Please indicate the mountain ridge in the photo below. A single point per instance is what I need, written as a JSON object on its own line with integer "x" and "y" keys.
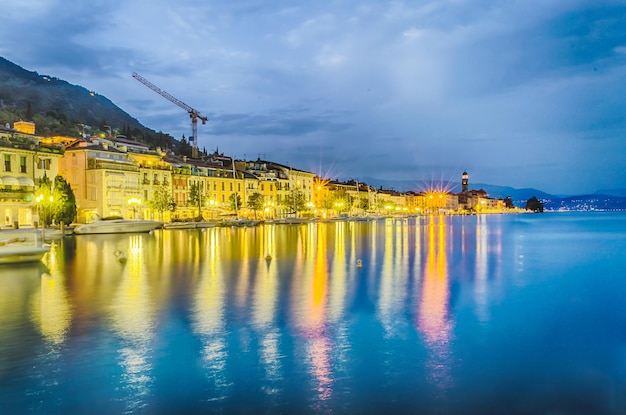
{"x": 23, "y": 91}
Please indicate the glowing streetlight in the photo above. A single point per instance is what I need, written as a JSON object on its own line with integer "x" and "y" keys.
{"x": 133, "y": 202}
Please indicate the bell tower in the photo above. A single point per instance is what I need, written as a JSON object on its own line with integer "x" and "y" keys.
{"x": 464, "y": 182}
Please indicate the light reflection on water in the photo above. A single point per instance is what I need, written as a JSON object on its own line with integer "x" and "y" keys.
{"x": 132, "y": 320}
{"x": 421, "y": 315}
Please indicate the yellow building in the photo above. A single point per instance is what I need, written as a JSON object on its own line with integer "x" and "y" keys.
{"x": 153, "y": 172}
{"x": 278, "y": 184}
{"x": 103, "y": 179}
{"x": 25, "y": 127}
{"x": 24, "y": 161}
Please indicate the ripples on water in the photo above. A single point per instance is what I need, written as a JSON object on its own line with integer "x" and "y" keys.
{"x": 478, "y": 314}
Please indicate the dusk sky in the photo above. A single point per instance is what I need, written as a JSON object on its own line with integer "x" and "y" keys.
{"x": 518, "y": 93}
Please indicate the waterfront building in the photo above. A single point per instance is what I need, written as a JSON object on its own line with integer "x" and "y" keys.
{"x": 278, "y": 184}
{"x": 25, "y": 160}
{"x": 102, "y": 177}
{"x": 153, "y": 172}
{"x": 391, "y": 202}
{"x": 477, "y": 200}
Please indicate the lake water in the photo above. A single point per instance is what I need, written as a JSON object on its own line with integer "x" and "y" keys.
{"x": 498, "y": 314}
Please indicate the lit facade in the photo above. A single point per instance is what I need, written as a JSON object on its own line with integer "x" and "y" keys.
{"x": 103, "y": 179}
{"x": 25, "y": 160}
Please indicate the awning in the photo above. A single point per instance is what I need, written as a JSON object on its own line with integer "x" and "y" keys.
{"x": 10, "y": 181}
{"x": 26, "y": 181}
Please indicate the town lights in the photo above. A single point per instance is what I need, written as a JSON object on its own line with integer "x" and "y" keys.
{"x": 133, "y": 202}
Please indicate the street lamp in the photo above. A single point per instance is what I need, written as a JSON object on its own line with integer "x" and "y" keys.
{"x": 133, "y": 202}
{"x": 42, "y": 208}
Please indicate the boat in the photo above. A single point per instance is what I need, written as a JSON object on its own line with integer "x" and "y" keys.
{"x": 292, "y": 221}
{"x": 117, "y": 225}
{"x": 180, "y": 225}
{"x": 21, "y": 246}
{"x": 202, "y": 225}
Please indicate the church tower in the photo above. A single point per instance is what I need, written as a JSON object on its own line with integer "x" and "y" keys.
{"x": 464, "y": 182}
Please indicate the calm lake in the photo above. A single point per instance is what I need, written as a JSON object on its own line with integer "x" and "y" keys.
{"x": 492, "y": 314}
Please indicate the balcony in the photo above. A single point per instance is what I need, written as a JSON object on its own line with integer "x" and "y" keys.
{"x": 94, "y": 164}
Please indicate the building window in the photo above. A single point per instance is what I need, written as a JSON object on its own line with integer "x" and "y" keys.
{"x": 7, "y": 162}
{"x": 44, "y": 164}
{"x": 214, "y": 185}
{"x": 222, "y": 186}
{"x": 22, "y": 164}
{"x": 231, "y": 186}
{"x": 239, "y": 187}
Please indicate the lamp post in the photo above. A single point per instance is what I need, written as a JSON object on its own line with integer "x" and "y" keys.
{"x": 133, "y": 202}
{"x": 42, "y": 208}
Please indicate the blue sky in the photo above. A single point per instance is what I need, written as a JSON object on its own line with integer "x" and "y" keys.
{"x": 518, "y": 93}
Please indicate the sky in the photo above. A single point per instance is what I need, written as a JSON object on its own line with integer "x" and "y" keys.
{"x": 520, "y": 93}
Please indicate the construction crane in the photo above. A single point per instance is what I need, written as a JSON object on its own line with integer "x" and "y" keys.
{"x": 193, "y": 113}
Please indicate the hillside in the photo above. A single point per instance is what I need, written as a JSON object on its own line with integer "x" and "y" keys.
{"x": 58, "y": 107}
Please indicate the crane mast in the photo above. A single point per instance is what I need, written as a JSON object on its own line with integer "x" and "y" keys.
{"x": 193, "y": 113}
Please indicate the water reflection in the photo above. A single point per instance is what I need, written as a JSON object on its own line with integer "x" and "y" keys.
{"x": 132, "y": 318}
{"x": 434, "y": 320}
{"x": 394, "y": 277}
{"x": 208, "y": 317}
{"x": 201, "y": 322}
{"x": 310, "y": 301}
{"x": 50, "y": 306}
{"x": 264, "y": 313}
{"x": 481, "y": 293}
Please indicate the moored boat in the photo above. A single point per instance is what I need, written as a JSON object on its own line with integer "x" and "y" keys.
{"x": 20, "y": 246}
{"x": 117, "y": 225}
{"x": 180, "y": 225}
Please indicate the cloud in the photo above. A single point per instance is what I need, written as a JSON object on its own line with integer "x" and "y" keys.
{"x": 396, "y": 87}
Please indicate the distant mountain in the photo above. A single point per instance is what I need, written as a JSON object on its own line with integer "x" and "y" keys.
{"x": 59, "y": 99}
{"x": 611, "y": 192}
{"x": 587, "y": 202}
{"x": 518, "y": 195}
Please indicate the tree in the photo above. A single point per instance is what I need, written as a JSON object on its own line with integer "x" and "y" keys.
{"x": 255, "y": 202}
{"x": 534, "y": 204}
{"x": 44, "y": 201}
{"x": 508, "y": 203}
{"x": 295, "y": 200}
{"x": 234, "y": 201}
{"x": 29, "y": 112}
{"x": 64, "y": 202}
{"x": 184, "y": 148}
{"x": 195, "y": 197}
{"x": 162, "y": 200}
{"x": 364, "y": 204}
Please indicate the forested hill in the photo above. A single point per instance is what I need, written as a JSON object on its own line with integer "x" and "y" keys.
{"x": 58, "y": 107}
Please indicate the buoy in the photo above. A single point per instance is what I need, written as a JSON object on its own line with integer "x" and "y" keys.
{"x": 359, "y": 263}
{"x": 268, "y": 257}
{"x": 122, "y": 257}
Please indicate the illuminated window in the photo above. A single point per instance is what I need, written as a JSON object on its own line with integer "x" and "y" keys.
{"x": 44, "y": 164}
